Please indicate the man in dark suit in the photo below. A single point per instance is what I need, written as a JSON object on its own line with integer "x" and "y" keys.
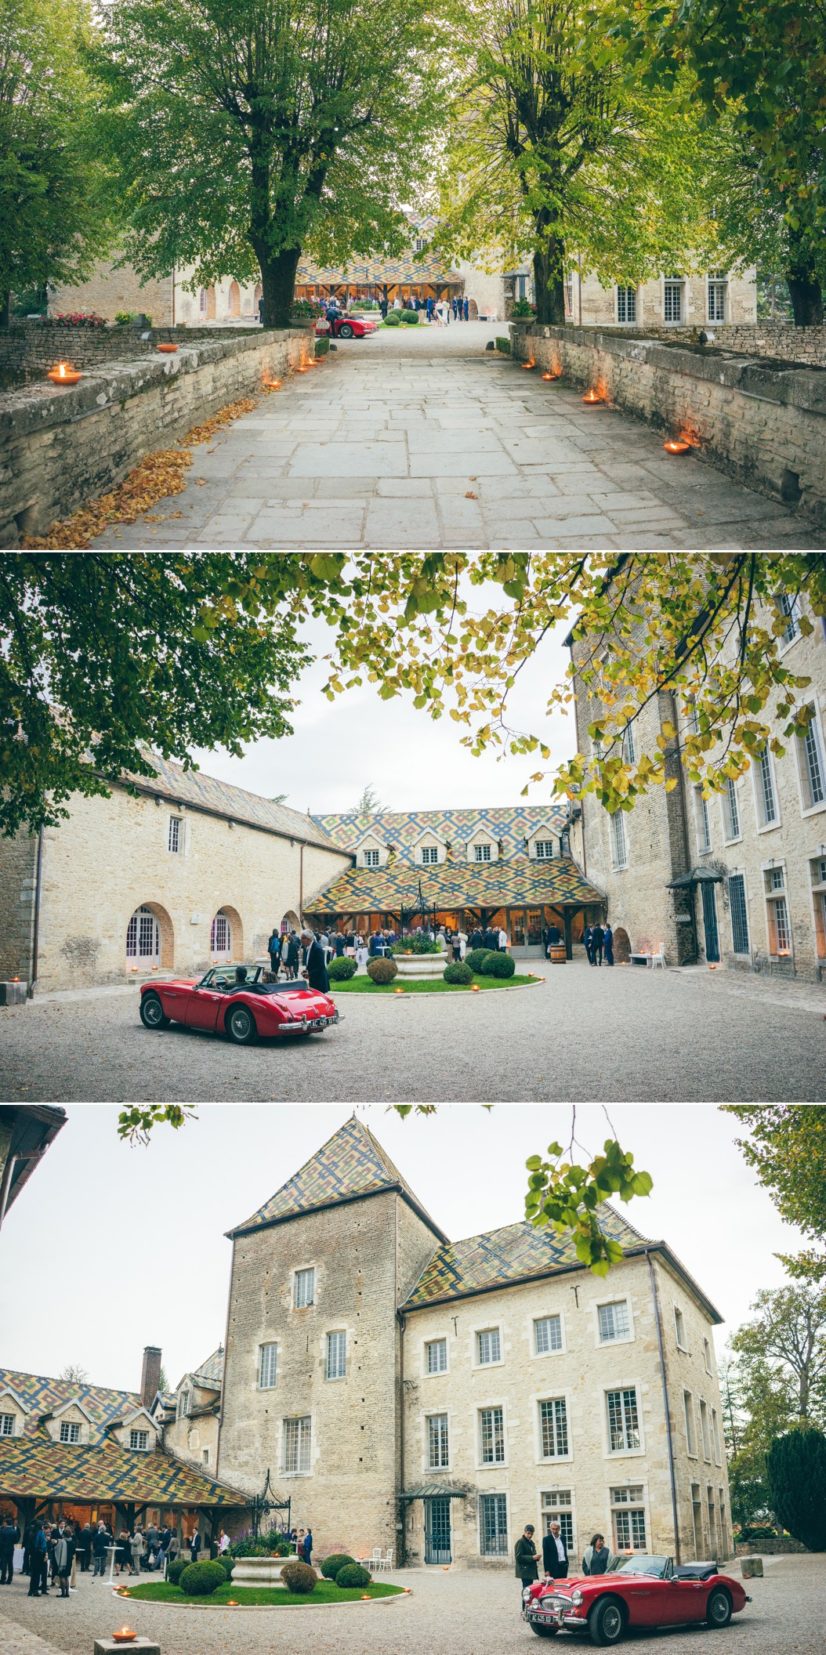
{"x": 555, "y": 1553}
{"x": 315, "y": 965}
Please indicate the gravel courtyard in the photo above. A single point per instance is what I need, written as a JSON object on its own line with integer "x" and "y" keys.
{"x": 625, "y": 1035}
{"x": 466, "y": 1613}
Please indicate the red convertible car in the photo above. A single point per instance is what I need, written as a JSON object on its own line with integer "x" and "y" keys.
{"x": 641, "y": 1592}
{"x": 238, "y": 1001}
{"x": 348, "y": 327}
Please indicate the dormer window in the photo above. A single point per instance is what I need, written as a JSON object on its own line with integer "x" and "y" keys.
{"x": 7, "y": 1422}
{"x": 430, "y": 855}
{"x": 184, "y": 1404}
{"x": 544, "y": 850}
{"x": 371, "y": 858}
{"x": 69, "y": 1430}
{"x": 139, "y": 1441}
{"x": 482, "y": 852}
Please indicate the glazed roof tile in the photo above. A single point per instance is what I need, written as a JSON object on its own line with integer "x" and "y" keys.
{"x": 36, "y": 1466}
{"x": 44, "y": 1396}
{"x": 501, "y": 1258}
{"x": 510, "y": 824}
{"x": 512, "y": 882}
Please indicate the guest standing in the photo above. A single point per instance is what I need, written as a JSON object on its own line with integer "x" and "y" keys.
{"x": 525, "y": 1559}
{"x": 555, "y": 1553}
{"x": 608, "y": 943}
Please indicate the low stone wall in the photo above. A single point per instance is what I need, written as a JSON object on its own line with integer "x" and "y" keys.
{"x": 768, "y": 1548}
{"x": 778, "y": 340}
{"x": 763, "y": 422}
{"x": 28, "y": 348}
{"x": 59, "y": 448}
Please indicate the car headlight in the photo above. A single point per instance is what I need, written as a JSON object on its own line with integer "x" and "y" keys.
{"x": 576, "y": 1596}
{"x": 526, "y": 1592}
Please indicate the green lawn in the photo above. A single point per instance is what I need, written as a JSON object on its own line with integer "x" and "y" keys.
{"x": 427, "y": 985}
{"x": 161, "y": 1591}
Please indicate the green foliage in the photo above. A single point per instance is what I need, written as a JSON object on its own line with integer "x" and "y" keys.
{"x": 503, "y": 346}
{"x": 336, "y": 1561}
{"x": 797, "y": 1481}
{"x": 227, "y": 1564}
{"x": 786, "y": 1148}
{"x": 369, "y": 803}
{"x": 758, "y": 1531}
{"x": 475, "y": 958}
{"x": 393, "y": 319}
{"x": 409, "y": 316}
{"x": 339, "y": 971}
{"x": 299, "y": 1577}
{"x": 382, "y": 970}
{"x": 200, "y": 1580}
{"x": 457, "y": 972}
{"x": 416, "y": 943}
{"x": 322, "y": 347}
{"x": 566, "y": 1196}
{"x": 522, "y": 308}
{"x": 781, "y": 1360}
{"x": 175, "y": 1569}
{"x": 124, "y": 317}
{"x": 749, "y": 1493}
{"x": 303, "y": 309}
{"x": 497, "y": 964}
{"x": 353, "y": 1575}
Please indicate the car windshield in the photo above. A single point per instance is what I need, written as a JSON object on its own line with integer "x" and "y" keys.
{"x": 659, "y": 1567}
{"x": 229, "y": 976}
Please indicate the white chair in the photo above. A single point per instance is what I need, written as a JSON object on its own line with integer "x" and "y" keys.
{"x": 376, "y": 1559}
{"x": 388, "y": 1561}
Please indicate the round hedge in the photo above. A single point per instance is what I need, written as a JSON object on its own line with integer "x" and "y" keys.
{"x": 299, "y": 1577}
{"x": 336, "y": 1561}
{"x": 353, "y": 1575}
{"x": 382, "y": 970}
{"x": 341, "y": 970}
{"x": 411, "y": 316}
{"x": 476, "y": 960}
{"x": 175, "y": 1568}
{"x": 457, "y": 972}
{"x": 227, "y": 1564}
{"x": 392, "y": 319}
{"x": 200, "y": 1580}
{"x": 498, "y": 965}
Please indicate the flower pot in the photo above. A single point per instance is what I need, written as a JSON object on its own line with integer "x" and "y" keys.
{"x": 421, "y": 965}
{"x": 259, "y": 1571}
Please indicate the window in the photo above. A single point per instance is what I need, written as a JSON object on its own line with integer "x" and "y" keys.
{"x": 703, "y": 823}
{"x": 569, "y": 294}
{"x": 336, "y": 1364}
{"x": 202, "y": 301}
{"x": 723, "y": 1528}
{"x": 672, "y": 299}
{"x": 438, "y": 1450}
{"x": 810, "y": 759}
{"x": 69, "y": 1431}
{"x": 419, "y": 244}
{"x": 430, "y": 854}
{"x": 481, "y": 853}
{"x": 629, "y": 745}
{"x": 704, "y": 1431}
{"x": 614, "y": 1322}
{"x": 491, "y": 1436}
{"x": 205, "y": 1455}
{"x": 780, "y": 931}
{"x": 267, "y": 1366}
{"x": 739, "y": 915}
{"x": 679, "y": 1326}
{"x": 690, "y": 1434}
{"x": 717, "y": 293}
{"x": 220, "y": 936}
{"x": 296, "y": 1441}
{"x": 544, "y": 850}
{"x": 626, "y": 304}
{"x": 547, "y": 1334}
{"x": 731, "y": 810}
{"x": 766, "y": 795}
{"x": 304, "y": 1289}
{"x": 628, "y": 1513}
{"x": 488, "y": 1347}
{"x": 493, "y": 1525}
{"x": 691, "y": 716}
{"x": 143, "y": 936}
{"x": 619, "y": 843}
{"x": 139, "y": 1440}
{"x": 557, "y": 1507}
{"x": 184, "y": 1404}
{"x": 371, "y": 858}
{"x": 175, "y": 838}
{"x": 6, "y": 1425}
{"x": 697, "y": 1515}
{"x": 435, "y": 1356}
{"x": 715, "y": 1435}
{"x": 553, "y": 1428}
{"x": 707, "y": 1356}
{"x": 790, "y": 607}
{"x": 623, "y": 1420}
{"x": 712, "y": 1526}
{"x": 817, "y": 868}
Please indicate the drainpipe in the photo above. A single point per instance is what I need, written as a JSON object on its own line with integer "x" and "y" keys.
{"x": 655, "y": 1297}
{"x": 38, "y": 886}
{"x": 401, "y": 1505}
{"x": 301, "y": 882}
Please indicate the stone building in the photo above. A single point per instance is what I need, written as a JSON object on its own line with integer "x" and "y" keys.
{"x": 736, "y": 879}
{"x": 188, "y": 1415}
{"x": 706, "y": 299}
{"x": 181, "y": 872}
{"x": 433, "y": 1397}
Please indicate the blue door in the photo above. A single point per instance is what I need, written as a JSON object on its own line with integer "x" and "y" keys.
{"x": 710, "y": 921}
{"x": 437, "y": 1530}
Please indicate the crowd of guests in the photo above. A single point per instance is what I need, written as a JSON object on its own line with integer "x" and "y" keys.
{"x": 599, "y": 944}
{"x": 308, "y": 953}
{"x": 439, "y": 311}
{"x": 53, "y": 1552}
{"x": 597, "y": 1558}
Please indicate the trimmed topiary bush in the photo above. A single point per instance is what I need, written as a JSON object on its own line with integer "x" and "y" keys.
{"x": 457, "y": 972}
{"x": 411, "y": 316}
{"x": 353, "y": 1575}
{"x": 175, "y": 1569}
{"x": 200, "y": 1580}
{"x": 796, "y": 1466}
{"x": 336, "y": 1561}
{"x": 227, "y": 1564}
{"x": 476, "y": 960}
{"x": 503, "y": 346}
{"x": 322, "y": 345}
{"x": 498, "y": 965}
{"x": 393, "y": 319}
{"x": 382, "y": 970}
{"x": 341, "y": 970}
{"x": 299, "y": 1577}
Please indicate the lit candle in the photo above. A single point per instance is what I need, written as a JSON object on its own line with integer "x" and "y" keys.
{"x": 593, "y": 395}
{"x": 63, "y": 374}
{"x": 677, "y": 445}
{"x": 530, "y": 364}
{"x": 549, "y": 374}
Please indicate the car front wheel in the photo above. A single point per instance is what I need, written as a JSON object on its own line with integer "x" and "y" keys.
{"x": 542, "y": 1631}
{"x": 718, "y": 1608}
{"x": 345, "y": 331}
{"x": 153, "y": 1015}
{"x": 606, "y": 1622}
{"x": 240, "y": 1026}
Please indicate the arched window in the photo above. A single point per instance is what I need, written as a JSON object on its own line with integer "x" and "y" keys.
{"x": 202, "y": 301}
{"x": 143, "y": 938}
{"x": 220, "y": 936}
{"x": 234, "y": 299}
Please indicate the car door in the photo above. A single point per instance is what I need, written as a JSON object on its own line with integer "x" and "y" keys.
{"x": 679, "y": 1602}
{"x": 201, "y": 1007}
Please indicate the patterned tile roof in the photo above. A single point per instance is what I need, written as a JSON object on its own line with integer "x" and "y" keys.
{"x": 449, "y": 885}
{"x": 36, "y": 1466}
{"x": 510, "y": 824}
{"x": 350, "y": 1164}
{"x": 44, "y": 1396}
{"x": 409, "y": 267}
{"x": 236, "y": 803}
{"x": 500, "y": 1258}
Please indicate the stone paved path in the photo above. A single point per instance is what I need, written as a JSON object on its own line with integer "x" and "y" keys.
{"x": 421, "y": 438}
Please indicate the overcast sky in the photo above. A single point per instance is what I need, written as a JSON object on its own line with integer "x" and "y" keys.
{"x": 110, "y": 1248}
{"x": 413, "y": 762}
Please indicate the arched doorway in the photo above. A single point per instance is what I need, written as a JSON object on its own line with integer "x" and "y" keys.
{"x": 234, "y": 299}
{"x": 622, "y": 946}
{"x": 290, "y": 922}
{"x": 226, "y": 937}
{"x": 149, "y": 938}
{"x": 210, "y": 304}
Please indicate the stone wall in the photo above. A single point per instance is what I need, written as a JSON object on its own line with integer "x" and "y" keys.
{"x": 778, "y": 340}
{"x": 18, "y": 868}
{"x": 60, "y": 448}
{"x": 113, "y": 287}
{"x": 762, "y": 422}
{"x": 29, "y": 348}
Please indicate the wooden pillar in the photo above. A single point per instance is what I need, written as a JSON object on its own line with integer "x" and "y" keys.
{"x": 568, "y": 918}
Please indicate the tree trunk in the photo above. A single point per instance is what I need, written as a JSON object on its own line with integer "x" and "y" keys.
{"x": 549, "y": 281}
{"x": 806, "y": 295}
{"x": 278, "y": 283}
{"x": 5, "y": 309}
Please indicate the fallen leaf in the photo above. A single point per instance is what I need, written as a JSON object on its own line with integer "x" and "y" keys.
{"x": 469, "y": 494}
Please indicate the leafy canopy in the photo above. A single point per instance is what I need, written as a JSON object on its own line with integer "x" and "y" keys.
{"x": 786, "y": 1147}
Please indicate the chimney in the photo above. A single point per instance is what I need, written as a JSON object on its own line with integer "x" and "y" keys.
{"x": 150, "y": 1375}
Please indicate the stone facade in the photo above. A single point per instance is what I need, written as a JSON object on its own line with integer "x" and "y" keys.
{"x": 116, "y": 287}
{"x": 702, "y": 299}
{"x": 188, "y": 1417}
{"x": 112, "y": 857}
{"x": 763, "y": 843}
